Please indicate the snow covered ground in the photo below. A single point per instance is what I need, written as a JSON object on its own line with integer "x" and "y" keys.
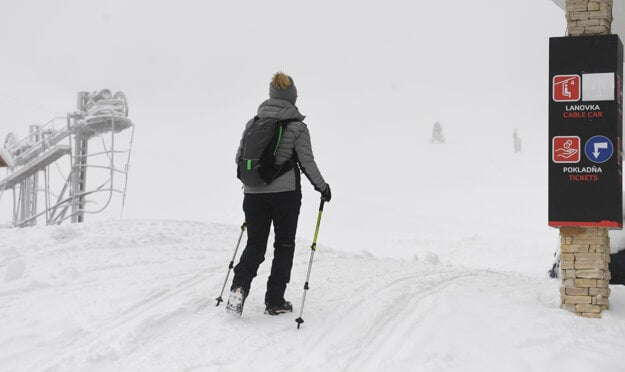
{"x": 139, "y": 296}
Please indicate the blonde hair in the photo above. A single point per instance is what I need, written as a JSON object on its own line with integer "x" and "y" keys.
{"x": 280, "y": 80}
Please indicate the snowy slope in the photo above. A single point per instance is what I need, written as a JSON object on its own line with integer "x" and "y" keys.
{"x": 138, "y": 296}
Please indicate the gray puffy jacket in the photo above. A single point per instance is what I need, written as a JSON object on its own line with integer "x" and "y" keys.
{"x": 295, "y": 142}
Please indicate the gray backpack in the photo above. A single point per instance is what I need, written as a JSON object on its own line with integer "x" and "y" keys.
{"x": 256, "y": 164}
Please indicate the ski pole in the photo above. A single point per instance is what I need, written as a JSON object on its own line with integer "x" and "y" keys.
{"x": 313, "y": 248}
{"x": 231, "y": 265}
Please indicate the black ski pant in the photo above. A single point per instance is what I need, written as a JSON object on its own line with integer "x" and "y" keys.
{"x": 260, "y": 211}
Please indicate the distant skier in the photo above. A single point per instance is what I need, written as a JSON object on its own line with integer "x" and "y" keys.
{"x": 278, "y": 201}
{"x": 437, "y": 134}
{"x": 516, "y": 140}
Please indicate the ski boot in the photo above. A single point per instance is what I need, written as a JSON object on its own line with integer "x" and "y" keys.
{"x": 286, "y": 307}
{"x": 236, "y": 301}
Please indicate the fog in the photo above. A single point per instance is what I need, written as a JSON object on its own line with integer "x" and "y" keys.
{"x": 372, "y": 79}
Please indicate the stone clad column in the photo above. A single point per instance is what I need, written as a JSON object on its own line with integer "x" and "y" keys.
{"x": 589, "y": 17}
{"x": 584, "y": 258}
{"x": 585, "y": 251}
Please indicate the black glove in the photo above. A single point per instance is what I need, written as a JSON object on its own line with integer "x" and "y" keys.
{"x": 326, "y": 194}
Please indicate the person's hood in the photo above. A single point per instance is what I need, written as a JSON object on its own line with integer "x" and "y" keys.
{"x": 279, "y": 109}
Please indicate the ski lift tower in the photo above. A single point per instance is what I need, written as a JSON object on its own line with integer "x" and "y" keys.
{"x": 64, "y": 143}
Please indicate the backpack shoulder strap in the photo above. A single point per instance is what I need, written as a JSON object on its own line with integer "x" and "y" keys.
{"x": 292, "y": 162}
{"x": 287, "y": 121}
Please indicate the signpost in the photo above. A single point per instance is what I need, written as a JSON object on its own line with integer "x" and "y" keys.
{"x": 585, "y": 131}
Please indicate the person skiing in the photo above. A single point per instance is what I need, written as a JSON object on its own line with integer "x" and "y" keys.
{"x": 277, "y": 202}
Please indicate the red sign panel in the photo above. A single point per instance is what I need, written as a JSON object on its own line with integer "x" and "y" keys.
{"x": 566, "y": 149}
{"x": 567, "y": 88}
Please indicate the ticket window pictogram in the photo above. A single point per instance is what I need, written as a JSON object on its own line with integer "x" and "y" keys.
{"x": 566, "y": 149}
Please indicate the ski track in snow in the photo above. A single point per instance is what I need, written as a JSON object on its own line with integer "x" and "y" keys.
{"x": 139, "y": 296}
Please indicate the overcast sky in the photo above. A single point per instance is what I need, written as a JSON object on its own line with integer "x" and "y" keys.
{"x": 156, "y": 50}
{"x": 195, "y": 71}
